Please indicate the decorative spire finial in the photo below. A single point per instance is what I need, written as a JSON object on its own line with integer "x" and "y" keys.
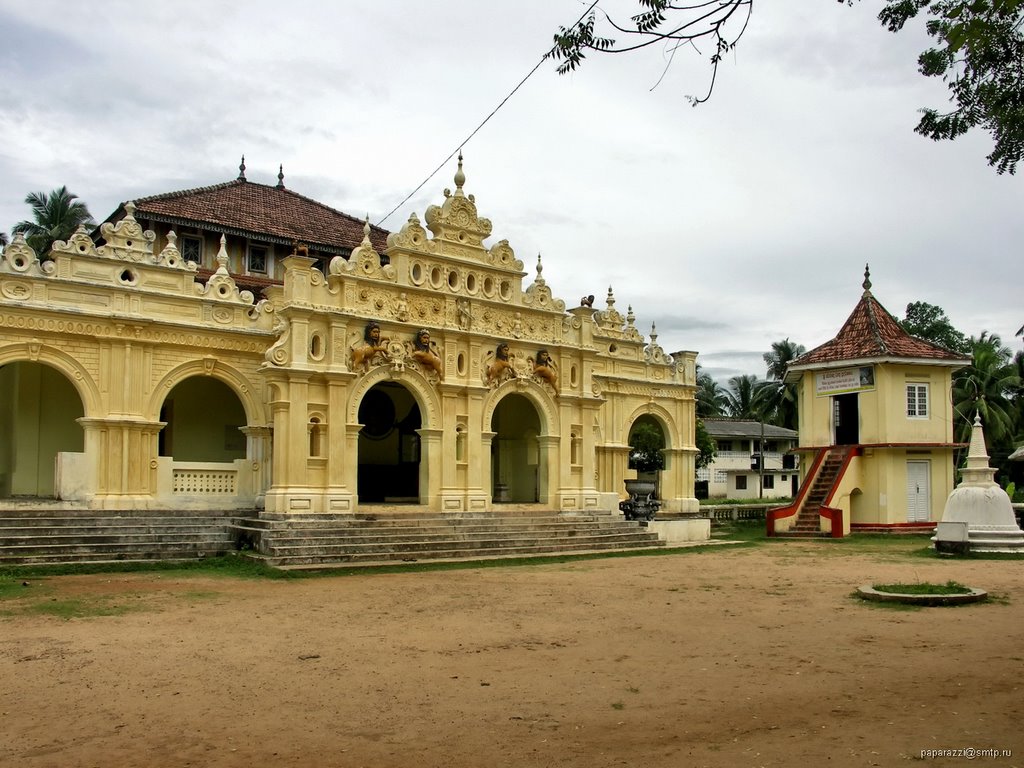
{"x": 460, "y": 177}
{"x": 280, "y": 176}
{"x": 222, "y": 256}
{"x": 630, "y": 317}
{"x": 654, "y": 333}
{"x": 241, "y": 169}
{"x": 366, "y": 229}
{"x": 610, "y": 301}
{"x": 867, "y": 279}
{"x": 540, "y": 269}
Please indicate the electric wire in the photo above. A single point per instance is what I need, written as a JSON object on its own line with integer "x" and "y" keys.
{"x": 494, "y": 111}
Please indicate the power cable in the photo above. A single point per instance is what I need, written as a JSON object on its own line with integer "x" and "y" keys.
{"x": 481, "y": 125}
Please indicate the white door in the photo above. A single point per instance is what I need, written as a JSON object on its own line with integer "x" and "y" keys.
{"x": 918, "y": 496}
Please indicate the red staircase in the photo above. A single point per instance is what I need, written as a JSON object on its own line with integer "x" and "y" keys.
{"x": 812, "y": 502}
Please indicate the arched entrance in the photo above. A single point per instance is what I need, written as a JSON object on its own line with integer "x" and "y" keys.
{"x": 646, "y": 445}
{"x": 38, "y": 411}
{"x": 389, "y": 446}
{"x": 515, "y": 451}
{"x": 204, "y": 418}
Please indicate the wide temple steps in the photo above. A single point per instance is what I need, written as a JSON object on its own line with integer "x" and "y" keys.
{"x": 397, "y": 537}
{"x": 40, "y": 536}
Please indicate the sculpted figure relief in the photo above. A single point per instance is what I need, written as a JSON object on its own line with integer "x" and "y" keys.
{"x": 424, "y": 354}
{"x": 371, "y": 345}
{"x": 544, "y": 368}
{"x": 501, "y": 367}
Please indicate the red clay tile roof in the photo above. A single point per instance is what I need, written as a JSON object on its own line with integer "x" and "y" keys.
{"x": 246, "y": 208}
{"x": 872, "y": 332}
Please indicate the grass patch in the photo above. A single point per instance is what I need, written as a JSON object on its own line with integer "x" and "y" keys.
{"x": 230, "y": 564}
{"x": 81, "y": 609}
{"x": 924, "y": 588}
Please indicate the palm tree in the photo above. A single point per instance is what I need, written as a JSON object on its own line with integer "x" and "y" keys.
{"x": 783, "y": 353}
{"x": 776, "y": 398}
{"x": 57, "y": 216}
{"x": 712, "y": 399}
{"x": 986, "y": 387}
{"x": 741, "y": 397}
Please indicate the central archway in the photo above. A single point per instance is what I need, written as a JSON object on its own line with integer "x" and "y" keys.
{"x": 515, "y": 452}
{"x": 389, "y": 445}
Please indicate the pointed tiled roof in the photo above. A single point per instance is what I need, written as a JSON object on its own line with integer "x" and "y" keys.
{"x": 249, "y": 209}
{"x": 871, "y": 332}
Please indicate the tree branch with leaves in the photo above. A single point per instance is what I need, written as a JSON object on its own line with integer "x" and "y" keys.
{"x": 979, "y": 54}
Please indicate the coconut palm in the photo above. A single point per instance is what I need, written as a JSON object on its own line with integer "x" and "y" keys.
{"x": 742, "y": 397}
{"x": 712, "y": 399}
{"x": 986, "y": 387}
{"x": 783, "y": 353}
{"x": 776, "y": 399}
{"x": 57, "y": 215}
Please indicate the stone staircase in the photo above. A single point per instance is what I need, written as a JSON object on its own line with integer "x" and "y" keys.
{"x": 807, "y": 523}
{"x": 404, "y": 536}
{"x": 41, "y": 535}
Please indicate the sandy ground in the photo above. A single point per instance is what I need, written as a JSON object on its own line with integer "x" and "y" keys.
{"x": 722, "y": 657}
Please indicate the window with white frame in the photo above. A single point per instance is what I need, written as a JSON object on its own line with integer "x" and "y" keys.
{"x": 192, "y": 249}
{"x": 917, "y": 401}
{"x": 257, "y": 259}
{"x": 769, "y": 482}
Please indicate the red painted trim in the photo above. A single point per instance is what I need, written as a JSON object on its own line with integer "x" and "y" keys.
{"x": 835, "y": 515}
{"x": 924, "y": 526}
{"x": 778, "y": 513}
{"x": 810, "y": 448}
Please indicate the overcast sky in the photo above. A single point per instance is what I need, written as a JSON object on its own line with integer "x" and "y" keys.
{"x": 731, "y": 225}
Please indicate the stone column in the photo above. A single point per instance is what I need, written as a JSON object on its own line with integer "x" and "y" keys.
{"x": 124, "y": 455}
{"x": 431, "y": 467}
{"x": 259, "y": 455}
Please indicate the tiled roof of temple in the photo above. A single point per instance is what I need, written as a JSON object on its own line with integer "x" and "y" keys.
{"x": 871, "y": 332}
{"x": 246, "y": 208}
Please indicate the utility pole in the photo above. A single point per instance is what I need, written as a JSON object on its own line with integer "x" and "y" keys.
{"x": 760, "y": 464}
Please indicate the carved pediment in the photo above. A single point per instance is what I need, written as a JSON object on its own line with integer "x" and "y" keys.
{"x": 364, "y": 261}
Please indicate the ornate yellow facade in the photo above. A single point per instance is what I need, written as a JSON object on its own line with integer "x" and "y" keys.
{"x": 427, "y": 376}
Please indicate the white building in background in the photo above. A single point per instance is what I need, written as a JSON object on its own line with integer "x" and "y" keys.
{"x": 735, "y": 473}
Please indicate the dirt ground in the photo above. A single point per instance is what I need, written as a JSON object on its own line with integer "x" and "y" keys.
{"x": 718, "y": 657}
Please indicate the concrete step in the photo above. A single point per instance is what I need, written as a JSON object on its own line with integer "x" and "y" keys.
{"x": 369, "y": 558}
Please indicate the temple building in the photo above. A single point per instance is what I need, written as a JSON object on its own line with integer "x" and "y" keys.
{"x": 875, "y": 429}
{"x": 243, "y": 347}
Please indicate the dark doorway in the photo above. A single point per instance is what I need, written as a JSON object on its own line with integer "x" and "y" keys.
{"x": 846, "y": 419}
{"x": 389, "y": 446}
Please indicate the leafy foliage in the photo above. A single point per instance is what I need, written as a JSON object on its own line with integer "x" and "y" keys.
{"x": 978, "y": 53}
{"x": 646, "y": 443}
{"x": 929, "y": 322}
{"x": 722, "y": 23}
{"x": 56, "y": 216}
{"x": 986, "y": 387}
{"x": 775, "y": 399}
{"x": 706, "y": 448}
{"x": 712, "y": 399}
{"x": 742, "y": 397}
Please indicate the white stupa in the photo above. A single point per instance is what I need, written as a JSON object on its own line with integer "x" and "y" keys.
{"x": 982, "y": 504}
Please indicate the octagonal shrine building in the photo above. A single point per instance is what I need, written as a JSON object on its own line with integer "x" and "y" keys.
{"x": 242, "y": 347}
